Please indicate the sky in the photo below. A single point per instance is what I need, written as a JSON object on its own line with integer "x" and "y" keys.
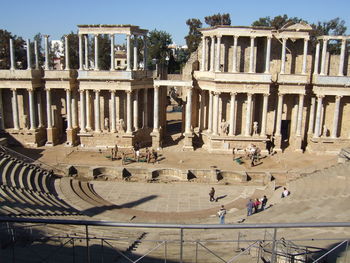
{"x": 26, "y": 18}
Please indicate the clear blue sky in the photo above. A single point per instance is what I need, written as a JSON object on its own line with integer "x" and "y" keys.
{"x": 27, "y": 17}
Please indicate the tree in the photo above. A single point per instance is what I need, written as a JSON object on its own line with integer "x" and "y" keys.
{"x": 194, "y": 36}
{"x": 19, "y": 50}
{"x": 104, "y": 51}
{"x": 73, "y": 45}
{"x": 218, "y": 19}
{"x": 277, "y": 22}
{"x": 158, "y": 42}
{"x": 41, "y": 58}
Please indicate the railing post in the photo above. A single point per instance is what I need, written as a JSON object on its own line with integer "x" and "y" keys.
{"x": 87, "y": 244}
{"x": 346, "y": 250}
{"x": 73, "y": 248}
{"x": 102, "y": 252}
{"x": 181, "y": 244}
{"x": 196, "y": 251}
{"x": 238, "y": 242}
{"x": 165, "y": 251}
{"x": 273, "y": 252}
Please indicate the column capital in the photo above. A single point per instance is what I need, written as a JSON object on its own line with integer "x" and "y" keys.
{"x": 189, "y": 88}
{"x": 67, "y": 89}
{"x": 46, "y": 36}
{"x": 128, "y": 91}
{"x": 112, "y": 91}
{"x": 280, "y": 94}
{"x": 47, "y": 89}
{"x": 13, "y": 89}
{"x": 233, "y": 93}
{"x": 252, "y": 37}
{"x": 81, "y": 91}
{"x": 306, "y": 40}
{"x": 66, "y": 35}
{"x": 320, "y": 96}
{"x": 284, "y": 38}
{"x": 156, "y": 86}
{"x": 338, "y": 97}
{"x": 96, "y": 90}
{"x": 269, "y": 37}
{"x": 30, "y": 89}
{"x": 217, "y": 92}
{"x": 236, "y": 36}
{"x": 266, "y": 94}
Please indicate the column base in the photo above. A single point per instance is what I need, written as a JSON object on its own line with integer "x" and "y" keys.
{"x": 52, "y": 137}
{"x": 156, "y": 141}
{"x": 188, "y": 142}
{"x": 297, "y": 144}
{"x": 277, "y": 143}
{"x": 72, "y": 137}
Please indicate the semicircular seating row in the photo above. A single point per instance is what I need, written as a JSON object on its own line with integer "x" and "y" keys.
{"x": 28, "y": 190}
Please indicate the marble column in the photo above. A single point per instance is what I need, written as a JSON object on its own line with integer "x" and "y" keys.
{"x": 97, "y": 111}
{"x": 128, "y": 112}
{"x": 88, "y": 110}
{"x": 2, "y": 117}
{"x": 31, "y": 109}
{"x": 112, "y": 52}
{"x": 66, "y": 53}
{"x": 156, "y": 109}
{"x": 318, "y": 116}
{"x": 112, "y": 115}
{"x": 216, "y": 113}
{"x": 80, "y": 52}
{"x": 201, "y": 109}
{"x": 336, "y": 117}
{"x": 40, "y": 109}
{"x": 96, "y": 53}
{"x": 232, "y": 114}
{"x": 210, "y": 114}
{"x": 12, "y": 56}
{"x": 212, "y": 54}
{"x": 29, "y": 57}
{"x": 312, "y": 116}
{"x": 48, "y": 109}
{"x": 86, "y": 42}
{"x": 342, "y": 58}
{"x": 279, "y": 115}
{"x": 136, "y": 59}
{"x": 218, "y": 55}
{"x": 82, "y": 111}
{"x": 69, "y": 109}
{"x": 248, "y": 115}
{"x": 268, "y": 55}
{"x": 283, "y": 58}
{"x": 144, "y": 52}
{"x": 15, "y": 109}
{"x": 136, "y": 110}
{"x": 36, "y": 54}
{"x": 74, "y": 110}
{"x": 264, "y": 115}
{"x": 324, "y": 57}
{"x": 145, "y": 108}
{"x": 128, "y": 53}
{"x": 303, "y": 70}
{"x": 46, "y": 41}
{"x": 188, "y": 111}
{"x": 317, "y": 57}
{"x": 203, "y": 53}
{"x": 300, "y": 114}
{"x": 251, "y": 55}
{"x": 234, "y": 55}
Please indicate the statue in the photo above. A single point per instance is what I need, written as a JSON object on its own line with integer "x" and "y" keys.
{"x": 224, "y": 127}
{"x": 255, "y": 128}
{"x": 106, "y": 124}
{"x": 325, "y": 131}
{"x": 121, "y": 126}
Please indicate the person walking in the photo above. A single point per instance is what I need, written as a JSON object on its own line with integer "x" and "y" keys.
{"x": 263, "y": 203}
{"x": 211, "y": 194}
{"x": 250, "y": 206}
{"x": 222, "y": 214}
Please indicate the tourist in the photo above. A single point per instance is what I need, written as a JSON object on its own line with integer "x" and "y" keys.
{"x": 250, "y": 206}
{"x": 256, "y": 205}
{"x": 211, "y": 194}
{"x": 148, "y": 155}
{"x": 137, "y": 155}
{"x": 221, "y": 214}
{"x": 285, "y": 192}
{"x": 123, "y": 158}
{"x": 263, "y": 203}
{"x": 112, "y": 154}
{"x": 155, "y": 156}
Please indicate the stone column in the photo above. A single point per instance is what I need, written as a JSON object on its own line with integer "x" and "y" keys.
{"x": 210, "y": 115}
{"x": 264, "y": 115}
{"x": 2, "y": 120}
{"x": 144, "y": 52}
{"x": 128, "y": 53}
{"x": 36, "y": 54}
{"x": 218, "y": 54}
{"x": 232, "y": 114}
{"x": 66, "y": 55}
{"x": 12, "y": 56}
{"x": 128, "y": 112}
{"x": 251, "y": 56}
{"x": 336, "y": 117}
{"x": 15, "y": 109}
{"x": 82, "y": 111}
{"x": 234, "y": 55}
{"x": 112, "y": 115}
{"x": 145, "y": 108}
{"x": 136, "y": 110}
{"x": 203, "y": 53}
{"x": 29, "y": 57}
{"x": 80, "y": 52}
{"x": 324, "y": 57}
{"x": 188, "y": 111}
{"x": 74, "y": 110}
{"x": 156, "y": 109}
{"x": 268, "y": 55}
{"x": 342, "y": 57}
{"x": 31, "y": 109}
{"x": 112, "y": 52}
{"x": 40, "y": 109}
{"x": 135, "y": 53}
{"x": 300, "y": 114}
{"x": 201, "y": 114}
{"x": 69, "y": 109}
{"x": 46, "y": 41}
{"x": 215, "y": 118}
{"x": 48, "y": 109}
{"x": 248, "y": 117}
{"x": 317, "y": 57}
{"x": 86, "y": 40}
{"x": 88, "y": 110}
{"x": 97, "y": 111}
{"x": 303, "y": 70}
{"x": 212, "y": 54}
{"x": 318, "y": 116}
{"x": 96, "y": 52}
{"x": 279, "y": 115}
{"x": 312, "y": 115}
{"x": 283, "y": 58}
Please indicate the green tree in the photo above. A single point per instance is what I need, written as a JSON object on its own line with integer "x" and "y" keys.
{"x": 73, "y": 45}
{"x": 194, "y": 36}
{"x": 218, "y": 19}
{"x": 41, "y": 58}
{"x": 104, "y": 51}
{"x": 158, "y": 42}
{"x": 19, "y": 50}
{"x": 276, "y": 22}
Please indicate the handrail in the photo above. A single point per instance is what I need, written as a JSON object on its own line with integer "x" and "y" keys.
{"x": 330, "y": 251}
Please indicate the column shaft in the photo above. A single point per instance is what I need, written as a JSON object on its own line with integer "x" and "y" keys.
{"x": 248, "y": 117}
{"x": 97, "y": 111}
{"x": 31, "y": 110}
{"x": 303, "y": 70}
{"x": 136, "y": 110}
{"x": 300, "y": 114}
{"x": 212, "y": 54}
{"x": 96, "y": 53}
{"x": 128, "y": 53}
{"x": 234, "y": 55}
{"x": 113, "y": 115}
{"x": 264, "y": 115}
{"x": 82, "y": 111}
{"x": 2, "y": 117}
{"x": 318, "y": 117}
{"x": 135, "y": 53}
{"x": 188, "y": 111}
{"x": 88, "y": 110}
{"x": 145, "y": 108}
{"x": 66, "y": 52}
{"x": 15, "y": 109}
{"x": 86, "y": 40}
{"x": 12, "y": 56}
{"x": 48, "y": 109}
{"x": 128, "y": 112}
{"x": 336, "y": 117}
{"x": 46, "y": 40}
{"x": 232, "y": 114}
{"x": 36, "y": 54}
{"x": 203, "y": 53}
{"x": 312, "y": 116}
{"x": 210, "y": 117}
{"x": 40, "y": 110}
{"x": 342, "y": 58}
{"x": 216, "y": 114}
{"x": 80, "y": 52}
{"x": 279, "y": 115}
{"x": 69, "y": 109}
{"x": 112, "y": 52}
{"x": 156, "y": 109}
{"x": 144, "y": 52}
{"x": 218, "y": 54}
{"x": 268, "y": 55}
{"x": 201, "y": 108}
{"x": 317, "y": 58}
{"x": 29, "y": 57}
{"x": 324, "y": 57}
{"x": 283, "y": 58}
{"x": 74, "y": 110}
{"x": 251, "y": 56}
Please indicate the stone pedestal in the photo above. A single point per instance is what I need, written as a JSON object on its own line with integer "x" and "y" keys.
{"x": 156, "y": 141}
{"x": 297, "y": 144}
{"x": 128, "y": 140}
{"x": 52, "y": 137}
{"x": 72, "y": 137}
{"x": 188, "y": 142}
{"x": 278, "y": 143}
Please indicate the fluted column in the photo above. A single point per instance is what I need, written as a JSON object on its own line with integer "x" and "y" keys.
{"x": 201, "y": 109}
{"x": 212, "y": 54}
{"x": 210, "y": 115}
{"x": 29, "y": 57}
{"x": 251, "y": 56}
{"x": 80, "y": 52}
{"x": 264, "y": 114}
{"x": 232, "y": 114}
{"x": 283, "y": 58}
{"x": 86, "y": 40}
{"x": 82, "y": 111}
{"x": 31, "y": 109}
{"x": 74, "y": 110}
{"x": 48, "y": 109}
{"x": 128, "y": 53}
{"x": 145, "y": 108}
{"x": 12, "y": 56}
{"x": 40, "y": 109}
{"x": 312, "y": 116}
{"x": 188, "y": 111}
{"x": 36, "y": 54}
{"x": 88, "y": 110}
{"x": 218, "y": 54}
{"x": 317, "y": 58}
{"x": 203, "y": 53}
{"x": 300, "y": 114}
{"x": 248, "y": 117}
{"x": 342, "y": 58}
{"x": 135, "y": 53}
{"x": 279, "y": 115}
{"x": 128, "y": 112}
{"x": 324, "y": 57}
{"x": 318, "y": 116}
{"x": 112, "y": 115}
{"x": 15, "y": 109}
{"x": 96, "y": 52}
{"x": 46, "y": 41}
{"x": 156, "y": 109}
{"x": 112, "y": 52}
{"x": 97, "y": 111}
{"x": 336, "y": 116}
{"x": 2, "y": 117}
{"x": 69, "y": 109}
{"x": 136, "y": 110}
{"x": 66, "y": 55}
{"x": 303, "y": 70}
{"x": 144, "y": 52}
{"x": 268, "y": 54}
{"x": 234, "y": 55}
{"x": 216, "y": 113}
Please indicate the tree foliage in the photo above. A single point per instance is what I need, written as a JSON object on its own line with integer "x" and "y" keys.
{"x": 73, "y": 46}
{"x": 104, "y": 51}
{"x": 218, "y": 19}
{"x": 276, "y": 22}
{"x": 19, "y": 50}
{"x": 194, "y": 36}
{"x": 158, "y": 42}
